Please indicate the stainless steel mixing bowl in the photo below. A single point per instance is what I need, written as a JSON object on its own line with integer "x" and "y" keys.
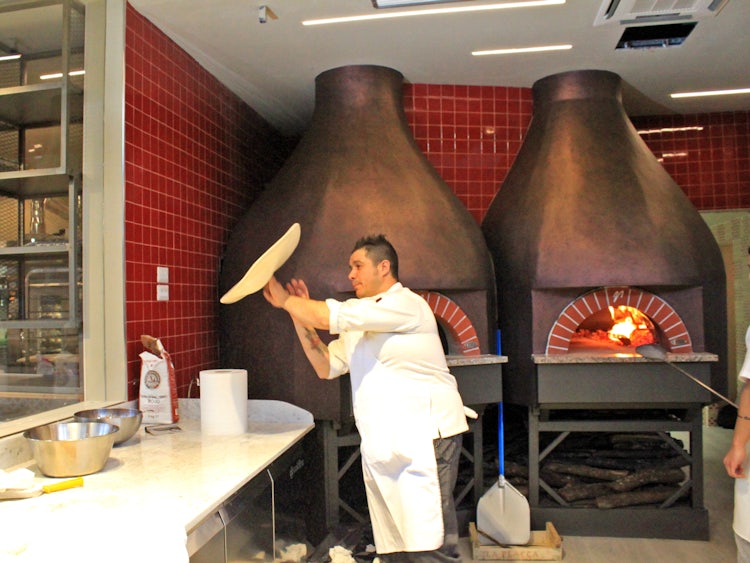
{"x": 129, "y": 420}
{"x": 69, "y": 449}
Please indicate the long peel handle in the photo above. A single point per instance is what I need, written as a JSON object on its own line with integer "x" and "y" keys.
{"x": 500, "y": 440}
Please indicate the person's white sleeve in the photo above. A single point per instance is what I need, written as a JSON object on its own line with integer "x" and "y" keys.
{"x": 385, "y": 314}
{"x": 337, "y": 359}
{"x": 338, "y": 364}
{"x": 745, "y": 369}
{"x": 333, "y": 316}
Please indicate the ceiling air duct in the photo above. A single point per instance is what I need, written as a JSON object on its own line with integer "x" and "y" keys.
{"x": 655, "y": 36}
{"x": 628, "y": 12}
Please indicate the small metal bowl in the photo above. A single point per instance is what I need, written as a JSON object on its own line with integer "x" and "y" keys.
{"x": 69, "y": 449}
{"x": 129, "y": 420}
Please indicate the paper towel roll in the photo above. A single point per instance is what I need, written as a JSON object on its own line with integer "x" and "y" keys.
{"x": 223, "y": 401}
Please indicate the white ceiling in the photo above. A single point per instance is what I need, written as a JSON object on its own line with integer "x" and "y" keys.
{"x": 273, "y": 65}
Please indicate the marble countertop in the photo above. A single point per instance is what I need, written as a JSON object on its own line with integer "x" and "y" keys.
{"x": 593, "y": 358}
{"x": 153, "y": 490}
{"x": 481, "y": 359}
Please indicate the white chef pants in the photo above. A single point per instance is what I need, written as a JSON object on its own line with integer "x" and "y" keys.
{"x": 743, "y": 549}
{"x": 447, "y": 455}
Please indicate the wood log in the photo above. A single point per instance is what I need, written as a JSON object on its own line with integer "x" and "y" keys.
{"x": 583, "y": 503}
{"x": 637, "y": 464}
{"x": 571, "y": 456}
{"x": 647, "y": 477}
{"x": 640, "y": 441}
{"x": 523, "y": 489}
{"x": 634, "y": 498}
{"x": 629, "y": 465}
{"x": 677, "y": 461}
{"x": 582, "y": 491}
{"x": 586, "y": 471}
{"x": 556, "y": 480}
{"x": 635, "y": 454}
{"x": 518, "y": 481}
{"x": 585, "y": 440}
{"x": 513, "y": 469}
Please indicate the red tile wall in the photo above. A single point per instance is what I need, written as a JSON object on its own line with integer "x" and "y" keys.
{"x": 195, "y": 157}
{"x": 712, "y": 165}
{"x": 471, "y": 135}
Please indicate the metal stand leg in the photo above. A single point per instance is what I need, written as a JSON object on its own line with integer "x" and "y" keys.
{"x": 330, "y": 473}
{"x": 696, "y": 452}
{"x": 333, "y": 441}
{"x": 476, "y": 429}
{"x": 476, "y": 458}
{"x": 533, "y": 456}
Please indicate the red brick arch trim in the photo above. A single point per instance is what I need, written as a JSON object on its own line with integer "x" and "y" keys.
{"x": 453, "y": 318}
{"x": 653, "y": 306}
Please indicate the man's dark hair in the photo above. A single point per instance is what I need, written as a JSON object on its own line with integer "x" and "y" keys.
{"x": 377, "y": 248}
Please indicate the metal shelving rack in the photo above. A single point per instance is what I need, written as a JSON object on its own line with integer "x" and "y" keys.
{"x": 39, "y": 269}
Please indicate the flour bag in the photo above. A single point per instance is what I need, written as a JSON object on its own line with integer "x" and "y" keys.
{"x": 158, "y": 391}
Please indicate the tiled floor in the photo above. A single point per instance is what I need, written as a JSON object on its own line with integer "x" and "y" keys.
{"x": 718, "y": 492}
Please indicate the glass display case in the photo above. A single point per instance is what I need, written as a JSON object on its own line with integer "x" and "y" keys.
{"x": 41, "y": 135}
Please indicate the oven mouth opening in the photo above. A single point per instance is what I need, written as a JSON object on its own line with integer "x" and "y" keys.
{"x": 457, "y": 333}
{"x": 620, "y": 328}
{"x": 580, "y": 325}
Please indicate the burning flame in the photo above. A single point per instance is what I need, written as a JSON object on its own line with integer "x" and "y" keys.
{"x": 630, "y": 326}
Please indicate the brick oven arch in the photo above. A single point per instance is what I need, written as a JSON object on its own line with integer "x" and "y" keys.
{"x": 451, "y": 317}
{"x": 653, "y": 306}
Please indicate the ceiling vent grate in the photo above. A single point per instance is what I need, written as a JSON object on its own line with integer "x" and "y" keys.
{"x": 655, "y": 36}
{"x": 629, "y": 12}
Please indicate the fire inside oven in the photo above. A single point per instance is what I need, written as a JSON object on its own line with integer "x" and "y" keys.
{"x": 617, "y": 320}
{"x": 615, "y": 328}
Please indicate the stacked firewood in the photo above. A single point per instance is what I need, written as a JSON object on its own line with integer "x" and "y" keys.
{"x": 609, "y": 470}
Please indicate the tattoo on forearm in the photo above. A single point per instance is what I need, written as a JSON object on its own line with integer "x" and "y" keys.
{"x": 314, "y": 340}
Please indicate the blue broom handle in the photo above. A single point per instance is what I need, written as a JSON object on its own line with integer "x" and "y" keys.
{"x": 500, "y": 441}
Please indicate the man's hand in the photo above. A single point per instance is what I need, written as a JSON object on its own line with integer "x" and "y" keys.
{"x": 298, "y": 288}
{"x": 295, "y": 300}
{"x": 733, "y": 461}
{"x": 275, "y": 293}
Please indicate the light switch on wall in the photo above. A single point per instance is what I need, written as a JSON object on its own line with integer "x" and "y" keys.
{"x": 162, "y": 292}
{"x": 162, "y": 274}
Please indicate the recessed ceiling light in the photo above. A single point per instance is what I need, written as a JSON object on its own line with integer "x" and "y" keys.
{"x": 516, "y": 50}
{"x": 670, "y": 130}
{"x": 56, "y": 75}
{"x": 433, "y": 11}
{"x": 710, "y": 93}
{"x": 402, "y": 3}
{"x": 12, "y": 57}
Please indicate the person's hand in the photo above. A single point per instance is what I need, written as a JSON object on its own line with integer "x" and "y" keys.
{"x": 275, "y": 293}
{"x": 298, "y": 288}
{"x": 733, "y": 462}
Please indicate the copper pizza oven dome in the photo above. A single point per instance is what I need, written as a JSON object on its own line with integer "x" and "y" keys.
{"x": 587, "y": 208}
{"x": 356, "y": 171}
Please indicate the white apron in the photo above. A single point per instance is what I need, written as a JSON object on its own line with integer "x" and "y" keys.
{"x": 399, "y": 467}
{"x": 741, "y": 523}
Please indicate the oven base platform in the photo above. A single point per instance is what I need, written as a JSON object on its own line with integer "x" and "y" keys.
{"x": 679, "y": 523}
{"x": 687, "y": 519}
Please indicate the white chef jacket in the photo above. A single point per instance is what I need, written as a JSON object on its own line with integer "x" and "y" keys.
{"x": 403, "y": 397}
{"x": 742, "y": 486}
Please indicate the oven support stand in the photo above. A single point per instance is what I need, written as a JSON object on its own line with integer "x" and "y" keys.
{"x": 673, "y": 522}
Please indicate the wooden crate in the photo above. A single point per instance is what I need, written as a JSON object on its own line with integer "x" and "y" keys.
{"x": 545, "y": 545}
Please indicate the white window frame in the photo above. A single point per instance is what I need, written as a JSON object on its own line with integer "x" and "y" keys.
{"x": 104, "y": 340}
